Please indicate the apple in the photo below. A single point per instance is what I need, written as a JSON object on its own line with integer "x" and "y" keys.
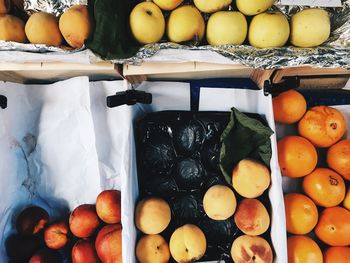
{"x": 84, "y": 251}
{"x": 227, "y": 28}
{"x": 152, "y": 215}
{"x": 31, "y": 220}
{"x": 147, "y": 23}
{"x": 83, "y": 221}
{"x": 168, "y": 4}
{"x": 46, "y": 255}
{"x": 108, "y": 206}
{"x": 219, "y": 202}
{"x": 109, "y": 244}
{"x": 254, "y": 7}
{"x": 251, "y": 249}
{"x": 310, "y": 27}
{"x": 56, "y": 235}
{"x": 269, "y": 30}
{"x": 211, "y": 6}
{"x": 188, "y": 243}
{"x": 152, "y": 249}
{"x": 185, "y": 24}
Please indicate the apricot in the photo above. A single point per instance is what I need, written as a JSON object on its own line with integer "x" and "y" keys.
{"x": 109, "y": 244}
{"x": 250, "y": 178}
{"x": 77, "y": 15}
{"x": 4, "y": 6}
{"x": 46, "y": 256}
{"x": 12, "y": 29}
{"x": 31, "y": 220}
{"x": 338, "y": 158}
{"x": 188, "y": 243}
{"x": 252, "y": 217}
{"x": 152, "y": 249}
{"x": 108, "y": 206}
{"x": 56, "y": 235}
{"x": 83, "y": 221}
{"x": 84, "y": 251}
{"x": 219, "y": 202}
{"x": 21, "y": 248}
{"x": 42, "y": 28}
{"x": 152, "y": 215}
{"x": 251, "y": 249}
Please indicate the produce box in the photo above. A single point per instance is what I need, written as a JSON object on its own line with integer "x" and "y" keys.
{"x": 59, "y": 150}
{"x": 179, "y": 96}
{"x": 315, "y": 194}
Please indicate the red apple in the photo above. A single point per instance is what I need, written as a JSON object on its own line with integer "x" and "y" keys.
{"x": 84, "y": 252}
{"x": 31, "y": 220}
{"x": 56, "y": 235}
{"x": 83, "y": 222}
{"x": 109, "y": 244}
{"x": 108, "y": 206}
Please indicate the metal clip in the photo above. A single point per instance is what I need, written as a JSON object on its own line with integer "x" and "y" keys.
{"x": 129, "y": 97}
{"x": 276, "y": 88}
{"x": 3, "y": 102}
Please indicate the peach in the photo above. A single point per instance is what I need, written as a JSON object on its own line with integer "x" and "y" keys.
{"x": 152, "y": 215}
{"x": 108, "y": 206}
{"x": 83, "y": 221}
{"x": 251, "y": 249}
{"x": 152, "y": 249}
{"x": 56, "y": 235}
{"x": 21, "y": 248}
{"x": 84, "y": 251}
{"x": 31, "y": 220}
{"x": 188, "y": 243}
{"x": 252, "y": 217}
{"x": 250, "y": 178}
{"x": 46, "y": 256}
{"x": 109, "y": 244}
{"x": 5, "y": 6}
{"x": 219, "y": 202}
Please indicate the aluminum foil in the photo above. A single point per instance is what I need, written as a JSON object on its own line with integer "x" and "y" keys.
{"x": 334, "y": 53}
{"x": 56, "y": 7}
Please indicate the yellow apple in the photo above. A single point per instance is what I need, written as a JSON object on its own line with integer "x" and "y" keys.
{"x": 152, "y": 249}
{"x": 188, "y": 243}
{"x": 269, "y": 30}
{"x": 227, "y": 27}
{"x": 254, "y": 7}
{"x": 147, "y": 23}
{"x": 168, "y": 4}
{"x": 185, "y": 23}
{"x": 211, "y": 6}
{"x": 310, "y": 28}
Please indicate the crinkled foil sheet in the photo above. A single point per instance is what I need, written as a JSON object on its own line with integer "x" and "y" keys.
{"x": 56, "y": 7}
{"x": 335, "y": 53}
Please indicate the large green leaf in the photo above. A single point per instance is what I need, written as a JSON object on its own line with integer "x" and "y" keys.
{"x": 244, "y": 137}
{"x": 112, "y": 38}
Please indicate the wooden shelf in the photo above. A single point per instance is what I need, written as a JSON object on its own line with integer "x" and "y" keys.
{"x": 55, "y": 71}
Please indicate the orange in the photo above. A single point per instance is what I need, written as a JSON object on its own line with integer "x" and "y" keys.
{"x": 337, "y": 255}
{"x": 289, "y": 107}
{"x": 325, "y": 187}
{"x": 301, "y": 213}
{"x": 333, "y": 227}
{"x": 338, "y": 158}
{"x": 322, "y": 125}
{"x": 297, "y": 157}
{"x": 346, "y": 202}
{"x": 302, "y": 249}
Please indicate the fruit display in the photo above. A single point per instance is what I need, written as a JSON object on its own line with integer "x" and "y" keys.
{"x": 316, "y": 182}
{"x": 91, "y": 234}
{"x": 224, "y": 22}
{"x": 45, "y": 28}
{"x": 188, "y": 210}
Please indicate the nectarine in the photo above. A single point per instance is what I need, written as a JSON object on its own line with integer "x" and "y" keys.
{"x": 84, "y": 251}
{"x": 46, "y": 255}
{"x": 31, "y": 220}
{"x": 21, "y": 248}
{"x": 83, "y": 221}
{"x": 109, "y": 244}
{"x": 55, "y": 235}
{"x": 108, "y": 206}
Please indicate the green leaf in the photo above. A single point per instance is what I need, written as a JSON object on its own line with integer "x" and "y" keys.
{"x": 243, "y": 137}
{"x": 112, "y": 38}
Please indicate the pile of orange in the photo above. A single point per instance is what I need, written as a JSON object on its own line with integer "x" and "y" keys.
{"x": 323, "y": 207}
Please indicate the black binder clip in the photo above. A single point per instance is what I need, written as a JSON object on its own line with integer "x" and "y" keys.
{"x": 276, "y": 88}
{"x": 3, "y": 102}
{"x": 129, "y": 97}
